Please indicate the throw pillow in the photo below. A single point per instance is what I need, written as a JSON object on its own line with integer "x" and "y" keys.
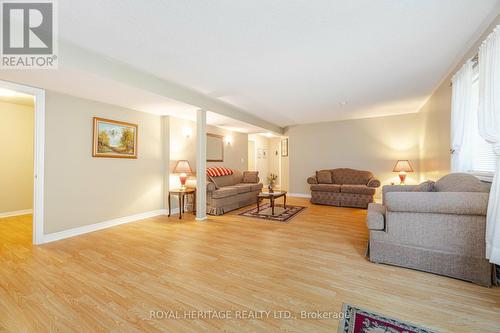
{"x": 324, "y": 177}
{"x": 427, "y": 186}
{"x": 219, "y": 171}
{"x": 250, "y": 177}
{"x": 460, "y": 182}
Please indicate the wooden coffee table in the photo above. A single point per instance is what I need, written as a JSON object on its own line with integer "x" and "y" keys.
{"x": 272, "y": 197}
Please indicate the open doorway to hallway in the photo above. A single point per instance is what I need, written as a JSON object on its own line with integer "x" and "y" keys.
{"x": 22, "y": 142}
{"x": 17, "y": 128}
{"x": 265, "y": 155}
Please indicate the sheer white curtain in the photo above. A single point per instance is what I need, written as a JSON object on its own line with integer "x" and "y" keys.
{"x": 489, "y": 128}
{"x": 461, "y": 118}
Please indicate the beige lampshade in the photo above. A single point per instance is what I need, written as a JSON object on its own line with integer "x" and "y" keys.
{"x": 402, "y": 166}
{"x": 182, "y": 166}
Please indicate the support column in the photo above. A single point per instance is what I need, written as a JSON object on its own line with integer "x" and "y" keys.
{"x": 201, "y": 165}
{"x": 165, "y": 126}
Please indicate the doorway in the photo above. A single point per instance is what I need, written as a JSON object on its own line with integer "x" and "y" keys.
{"x": 23, "y": 132}
{"x": 251, "y": 155}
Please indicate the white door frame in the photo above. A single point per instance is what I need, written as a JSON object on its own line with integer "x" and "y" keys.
{"x": 39, "y": 149}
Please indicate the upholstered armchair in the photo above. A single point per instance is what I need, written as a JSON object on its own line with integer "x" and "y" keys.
{"x": 434, "y": 227}
{"x": 343, "y": 187}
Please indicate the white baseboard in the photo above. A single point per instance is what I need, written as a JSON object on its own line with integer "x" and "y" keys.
{"x": 16, "y": 213}
{"x": 299, "y": 195}
{"x": 101, "y": 225}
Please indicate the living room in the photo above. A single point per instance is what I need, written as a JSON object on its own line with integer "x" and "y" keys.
{"x": 268, "y": 166}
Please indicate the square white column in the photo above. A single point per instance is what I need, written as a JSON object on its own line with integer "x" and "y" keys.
{"x": 201, "y": 165}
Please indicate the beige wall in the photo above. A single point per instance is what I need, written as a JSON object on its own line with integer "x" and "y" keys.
{"x": 435, "y": 140}
{"x": 435, "y": 121}
{"x": 181, "y": 148}
{"x": 16, "y": 166}
{"x": 368, "y": 144}
{"x": 82, "y": 190}
{"x": 184, "y": 148}
{"x": 236, "y": 153}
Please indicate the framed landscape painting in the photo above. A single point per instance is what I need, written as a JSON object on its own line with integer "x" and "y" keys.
{"x": 116, "y": 139}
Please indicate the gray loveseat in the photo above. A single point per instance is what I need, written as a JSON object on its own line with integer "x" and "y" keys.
{"x": 437, "y": 228}
{"x": 226, "y": 193}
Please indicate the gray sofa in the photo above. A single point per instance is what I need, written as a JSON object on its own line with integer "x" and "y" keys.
{"x": 434, "y": 227}
{"x": 343, "y": 187}
{"x": 226, "y": 193}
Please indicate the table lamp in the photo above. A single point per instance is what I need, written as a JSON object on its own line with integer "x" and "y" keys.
{"x": 402, "y": 166}
{"x": 183, "y": 169}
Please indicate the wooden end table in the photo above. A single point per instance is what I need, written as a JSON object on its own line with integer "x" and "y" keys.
{"x": 181, "y": 193}
{"x": 272, "y": 197}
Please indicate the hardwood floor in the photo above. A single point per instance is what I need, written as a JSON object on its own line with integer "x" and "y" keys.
{"x": 111, "y": 280}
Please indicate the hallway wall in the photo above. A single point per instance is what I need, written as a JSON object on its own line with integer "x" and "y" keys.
{"x": 16, "y": 161}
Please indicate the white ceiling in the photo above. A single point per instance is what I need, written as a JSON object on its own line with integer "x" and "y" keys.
{"x": 90, "y": 86}
{"x": 288, "y": 62}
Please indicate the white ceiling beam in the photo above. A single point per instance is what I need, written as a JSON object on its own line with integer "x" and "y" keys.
{"x": 74, "y": 56}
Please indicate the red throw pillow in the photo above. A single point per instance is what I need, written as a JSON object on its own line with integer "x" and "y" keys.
{"x": 219, "y": 171}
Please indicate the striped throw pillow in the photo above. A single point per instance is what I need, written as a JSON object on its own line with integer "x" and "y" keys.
{"x": 219, "y": 171}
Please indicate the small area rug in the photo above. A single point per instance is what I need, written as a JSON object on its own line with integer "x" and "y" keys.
{"x": 357, "y": 320}
{"x": 280, "y": 214}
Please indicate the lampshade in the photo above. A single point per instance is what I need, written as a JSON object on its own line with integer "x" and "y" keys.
{"x": 182, "y": 166}
{"x": 402, "y": 166}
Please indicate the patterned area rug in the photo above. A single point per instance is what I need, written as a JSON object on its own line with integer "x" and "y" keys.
{"x": 281, "y": 214}
{"x": 357, "y": 320}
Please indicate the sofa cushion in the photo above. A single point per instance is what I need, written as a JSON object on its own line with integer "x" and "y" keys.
{"x": 250, "y": 177}
{"x": 357, "y": 189}
{"x": 427, "y": 186}
{"x": 243, "y": 188}
{"x": 223, "y": 181}
{"x": 257, "y": 187}
{"x": 460, "y": 182}
{"x": 224, "y": 192}
{"x": 350, "y": 176}
{"x": 324, "y": 177}
{"x": 228, "y": 180}
{"x": 326, "y": 188}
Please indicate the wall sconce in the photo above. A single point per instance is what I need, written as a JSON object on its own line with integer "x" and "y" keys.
{"x": 228, "y": 139}
{"x": 187, "y": 131}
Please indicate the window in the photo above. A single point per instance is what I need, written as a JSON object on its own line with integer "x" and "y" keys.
{"x": 483, "y": 156}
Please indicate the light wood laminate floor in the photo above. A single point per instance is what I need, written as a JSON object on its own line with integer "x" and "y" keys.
{"x": 112, "y": 279}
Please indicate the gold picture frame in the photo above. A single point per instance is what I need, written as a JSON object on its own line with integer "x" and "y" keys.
{"x": 284, "y": 147}
{"x": 215, "y": 148}
{"x": 114, "y": 139}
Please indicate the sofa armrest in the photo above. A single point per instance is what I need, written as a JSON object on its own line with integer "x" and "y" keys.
{"x": 462, "y": 203}
{"x": 312, "y": 180}
{"x": 372, "y": 182}
{"x": 211, "y": 187}
{"x": 375, "y": 218}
